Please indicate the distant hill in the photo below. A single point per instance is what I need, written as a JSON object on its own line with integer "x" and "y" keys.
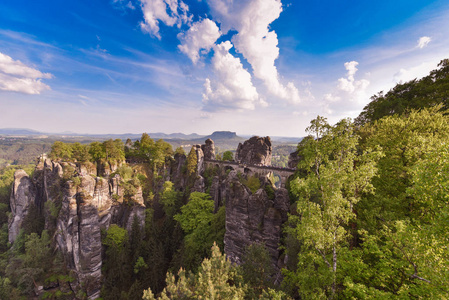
{"x": 19, "y": 131}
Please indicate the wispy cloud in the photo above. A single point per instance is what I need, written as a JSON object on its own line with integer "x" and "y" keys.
{"x": 15, "y": 76}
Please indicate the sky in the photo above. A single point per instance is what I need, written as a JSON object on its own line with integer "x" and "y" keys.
{"x": 263, "y": 67}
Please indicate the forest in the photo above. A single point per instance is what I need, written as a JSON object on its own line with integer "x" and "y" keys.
{"x": 369, "y": 212}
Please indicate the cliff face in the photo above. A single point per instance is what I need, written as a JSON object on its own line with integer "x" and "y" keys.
{"x": 75, "y": 211}
{"x": 253, "y": 218}
{"x": 23, "y": 195}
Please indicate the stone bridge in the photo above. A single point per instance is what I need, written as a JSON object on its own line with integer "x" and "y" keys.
{"x": 261, "y": 170}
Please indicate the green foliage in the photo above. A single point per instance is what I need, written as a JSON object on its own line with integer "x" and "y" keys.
{"x": 336, "y": 179}
{"x": 125, "y": 172}
{"x": 228, "y": 155}
{"x": 156, "y": 154}
{"x": 80, "y": 152}
{"x": 180, "y": 151}
{"x": 405, "y": 140}
{"x": 270, "y": 191}
{"x": 253, "y": 183}
{"x": 97, "y": 151}
{"x": 257, "y": 269}
{"x": 114, "y": 150}
{"x": 214, "y": 280}
{"x": 197, "y": 220}
{"x": 140, "y": 264}
{"x": 61, "y": 150}
{"x": 192, "y": 162}
{"x": 197, "y": 213}
{"x": 116, "y": 237}
{"x": 169, "y": 198}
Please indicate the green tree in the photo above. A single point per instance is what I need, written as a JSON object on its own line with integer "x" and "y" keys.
{"x": 169, "y": 199}
{"x": 216, "y": 279}
{"x": 114, "y": 150}
{"x": 337, "y": 178}
{"x": 192, "y": 162}
{"x": 195, "y": 219}
{"x": 257, "y": 269}
{"x": 80, "y": 152}
{"x": 60, "y": 150}
{"x": 228, "y": 155}
{"x": 97, "y": 151}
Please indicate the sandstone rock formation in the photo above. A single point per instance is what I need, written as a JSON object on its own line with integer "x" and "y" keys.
{"x": 253, "y": 218}
{"x": 208, "y": 149}
{"x": 255, "y": 151}
{"x": 22, "y": 196}
{"x": 293, "y": 159}
{"x": 84, "y": 205}
{"x": 200, "y": 159}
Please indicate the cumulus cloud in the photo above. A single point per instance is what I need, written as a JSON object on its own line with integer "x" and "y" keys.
{"x": 201, "y": 35}
{"x": 255, "y": 41}
{"x": 232, "y": 87}
{"x": 170, "y": 12}
{"x": 347, "y": 92}
{"x": 423, "y": 41}
{"x": 15, "y": 76}
{"x": 349, "y": 84}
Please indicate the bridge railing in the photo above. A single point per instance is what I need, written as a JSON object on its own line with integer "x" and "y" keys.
{"x": 250, "y": 166}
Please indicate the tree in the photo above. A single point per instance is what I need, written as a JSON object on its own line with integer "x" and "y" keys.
{"x": 401, "y": 225}
{"x": 80, "y": 152}
{"x": 192, "y": 162}
{"x": 169, "y": 199}
{"x": 257, "y": 269}
{"x": 228, "y": 155}
{"x": 214, "y": 280}
{"x": 195, "y": 219}
{"x": 97, "y": 151}
{"x": 114, "y": 150}
{"x": 337, "y": 178}
{"x": 60, "y": 150}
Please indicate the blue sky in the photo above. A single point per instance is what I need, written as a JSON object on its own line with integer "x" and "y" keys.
{"x": 261, "y": 67}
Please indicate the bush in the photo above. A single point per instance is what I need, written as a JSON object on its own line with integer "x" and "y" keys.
{"x": 253, "y": 183}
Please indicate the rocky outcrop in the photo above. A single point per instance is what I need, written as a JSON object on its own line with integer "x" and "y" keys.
{"x": 176, "y": 171}
{"x": 200, "y": 159}
{"x": 255, "y": 151}
{"x": 23, "y": 195}
{"x": 208, "y": 149}
{"x": 75, "y": 213}
{"x": 253, "y": 218}
{"x": 293, "y": 159}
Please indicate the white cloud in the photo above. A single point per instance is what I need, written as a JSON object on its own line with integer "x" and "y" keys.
{"x": 349, "y": 84}
{"x": 232, "y": 88}
{"x": 15, "y": 76}
{"x": 170, "y": 12}
{"x": 423, "y": 41}
{"x": 201, "y": 35}
{"x": 348, "y": 94}
{"x": 255, "y": 41}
